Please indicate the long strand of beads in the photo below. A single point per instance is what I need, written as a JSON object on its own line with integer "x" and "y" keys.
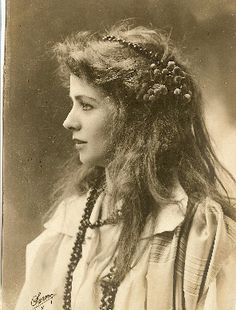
{"x": 77, "y": 248}
{"x": 113, "y": 219}
{"x": 109, "y": 289}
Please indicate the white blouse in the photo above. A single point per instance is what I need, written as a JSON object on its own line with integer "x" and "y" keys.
{"x": 175, "y": 271}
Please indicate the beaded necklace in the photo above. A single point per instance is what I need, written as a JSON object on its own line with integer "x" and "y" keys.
{"x": 108, "y": 287}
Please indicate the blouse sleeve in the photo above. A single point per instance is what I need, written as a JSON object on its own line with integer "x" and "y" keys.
{"x": 47, "y": 256}
{"x": 211, "y": 257}
{"x": 221, "y": 293}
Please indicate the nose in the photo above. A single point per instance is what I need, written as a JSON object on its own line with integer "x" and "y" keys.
{"x": 72, "y": 121}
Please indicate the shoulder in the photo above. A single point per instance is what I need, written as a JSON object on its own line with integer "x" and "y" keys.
{"x": 213, "y": 223}
{"x": 213, "y": 217}
{"x": 67, "y": 215}
{"x": 211, "y": 239}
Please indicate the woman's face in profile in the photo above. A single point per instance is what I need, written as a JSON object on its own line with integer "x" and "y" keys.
{"x": 89, "y": 121}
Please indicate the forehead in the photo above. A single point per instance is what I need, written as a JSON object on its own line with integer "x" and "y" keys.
{"x": 79, "y": 86}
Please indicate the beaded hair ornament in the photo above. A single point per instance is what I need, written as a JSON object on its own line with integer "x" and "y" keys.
{"x": 162, "y": 77}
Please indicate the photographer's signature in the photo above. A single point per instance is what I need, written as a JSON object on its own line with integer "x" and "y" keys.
{"x": 39, "y": 301}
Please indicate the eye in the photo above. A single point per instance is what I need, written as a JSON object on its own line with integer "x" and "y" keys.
{"x": 86, "y": 106}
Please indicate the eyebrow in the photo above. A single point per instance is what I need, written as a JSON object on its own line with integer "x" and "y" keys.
{"x": 82, "y": 97}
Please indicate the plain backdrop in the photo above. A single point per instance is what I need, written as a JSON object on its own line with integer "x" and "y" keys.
{"x": 35, "y": 105}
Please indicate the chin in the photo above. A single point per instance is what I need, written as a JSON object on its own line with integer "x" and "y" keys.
{"x": 92, "y": 162}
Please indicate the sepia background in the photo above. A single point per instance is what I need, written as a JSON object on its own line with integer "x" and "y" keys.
{"x": 35, "y": 143}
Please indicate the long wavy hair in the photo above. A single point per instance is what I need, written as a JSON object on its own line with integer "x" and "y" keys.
{"x": 154, "y": 144}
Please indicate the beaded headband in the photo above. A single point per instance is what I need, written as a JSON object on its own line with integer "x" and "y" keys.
{"x": 162, "y": 77}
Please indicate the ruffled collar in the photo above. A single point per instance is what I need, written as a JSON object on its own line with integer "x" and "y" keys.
{"x": 168, "y": 216}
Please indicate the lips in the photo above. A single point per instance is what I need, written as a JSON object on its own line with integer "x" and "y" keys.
{"x": 78, "y": 141}
{"x": 79, "y": 144}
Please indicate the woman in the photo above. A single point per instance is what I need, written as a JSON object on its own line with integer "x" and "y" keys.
{"x": 142, "y": 222}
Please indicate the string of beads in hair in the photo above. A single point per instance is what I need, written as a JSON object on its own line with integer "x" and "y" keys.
{"x": 163, "y": 77}
{"x": 108, "y": 286}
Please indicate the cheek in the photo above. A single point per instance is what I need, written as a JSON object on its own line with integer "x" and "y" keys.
{"x": 102, "y": 126}
{"x": 101, "y": 135}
